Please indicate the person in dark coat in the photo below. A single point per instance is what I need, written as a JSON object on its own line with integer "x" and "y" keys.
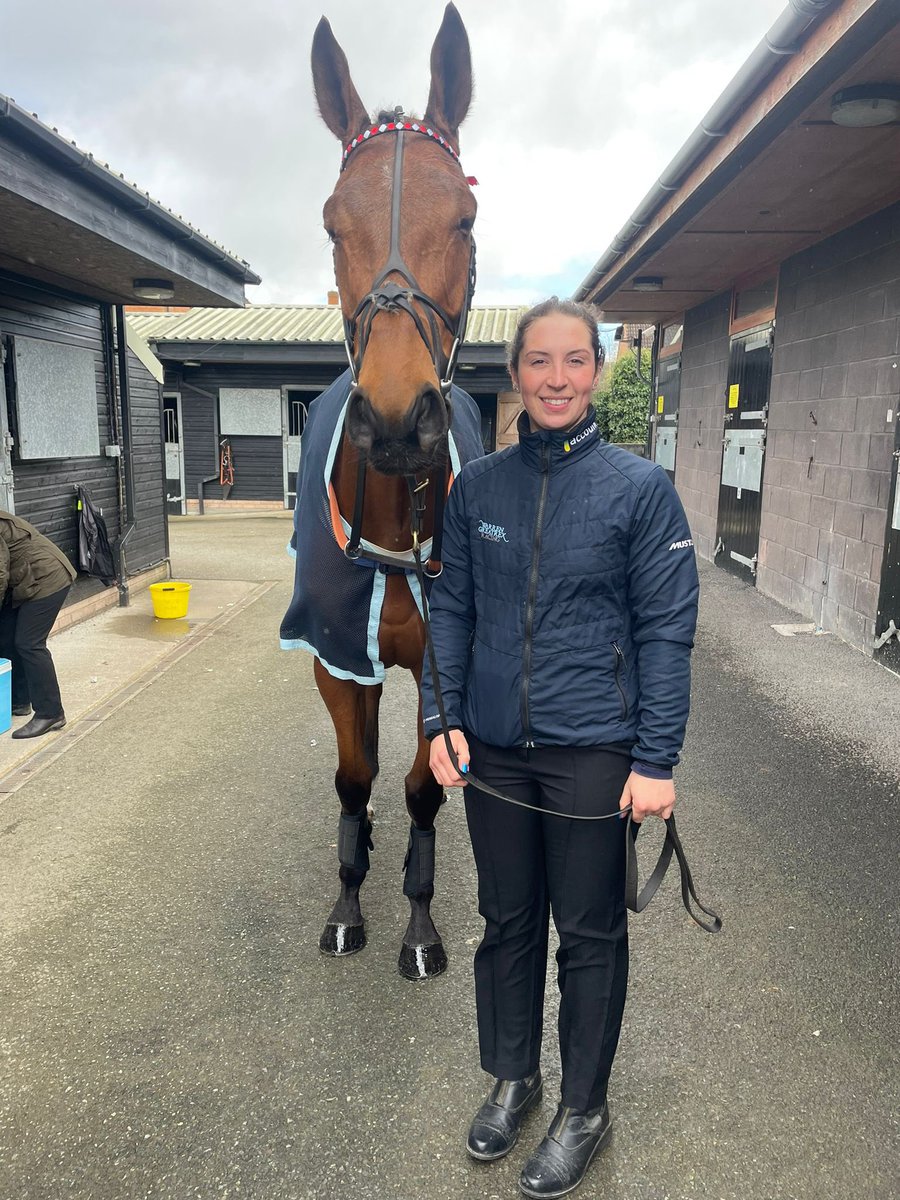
{"x": 562, "y": 627}
{"x": 35, "y": 577}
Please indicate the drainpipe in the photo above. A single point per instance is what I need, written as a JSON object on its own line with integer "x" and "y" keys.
{"x": 782, "y": 41}
{"x": 654, "y": 367}
{"x": 126, "y": 457}
{"x": 115, "y": 422}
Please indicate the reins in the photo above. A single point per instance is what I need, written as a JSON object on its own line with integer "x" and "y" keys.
{"x": 636, "y": 898}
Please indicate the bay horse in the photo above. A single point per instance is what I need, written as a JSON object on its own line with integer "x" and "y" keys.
{"x": 400, "y": 222}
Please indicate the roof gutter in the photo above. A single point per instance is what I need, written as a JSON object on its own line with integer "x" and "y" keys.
{"x": 34, "y": 131}
{"x": 782, "y": 40}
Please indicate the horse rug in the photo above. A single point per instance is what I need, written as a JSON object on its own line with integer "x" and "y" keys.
{"x": 336, "y": 607}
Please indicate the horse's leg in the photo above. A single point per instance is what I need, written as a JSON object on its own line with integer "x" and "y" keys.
{"x": 422, "y": 953}
{"x": 354, "y": 712}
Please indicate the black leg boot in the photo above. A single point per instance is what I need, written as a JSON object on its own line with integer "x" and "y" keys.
{"x": 561, "y": 1160}
{"x": 495, "y": 1128}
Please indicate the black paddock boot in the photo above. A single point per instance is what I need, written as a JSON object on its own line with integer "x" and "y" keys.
{"x": 495, "y": 1128}
{"x": 561, "y": 1160}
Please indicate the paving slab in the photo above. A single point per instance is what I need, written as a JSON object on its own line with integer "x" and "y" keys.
{"x": 110, "y": 652}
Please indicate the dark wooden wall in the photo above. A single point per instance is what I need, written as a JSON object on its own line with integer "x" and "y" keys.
{"x": 147, "y": 544}
{"x": 45, "y": 490}
{"x": 258, "y": 469}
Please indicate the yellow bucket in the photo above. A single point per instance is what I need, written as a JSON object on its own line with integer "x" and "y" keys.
{"x": 170, "y": 599}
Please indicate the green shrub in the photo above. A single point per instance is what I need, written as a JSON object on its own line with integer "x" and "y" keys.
{"x": 623, "y": 410}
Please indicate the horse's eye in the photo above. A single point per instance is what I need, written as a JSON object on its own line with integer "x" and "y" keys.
{"x": 330, "y": 234}
{"x": 466, "y": 225}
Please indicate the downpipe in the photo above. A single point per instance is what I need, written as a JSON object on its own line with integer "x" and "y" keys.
{"x": 126, "y": 457}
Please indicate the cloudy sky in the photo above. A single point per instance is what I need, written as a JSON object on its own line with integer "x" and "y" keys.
{"x": 579, "y": 106}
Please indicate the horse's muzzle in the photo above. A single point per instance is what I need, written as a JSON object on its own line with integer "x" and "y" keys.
{"x": 398, "y": 447}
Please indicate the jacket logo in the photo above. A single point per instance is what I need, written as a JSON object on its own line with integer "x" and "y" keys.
{"x": 492, "y": 533}
{"x": 682, "y": 545}
{"x": 573, "y": 442}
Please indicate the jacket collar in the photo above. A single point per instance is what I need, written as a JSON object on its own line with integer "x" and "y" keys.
{"x": 563, "y": 445}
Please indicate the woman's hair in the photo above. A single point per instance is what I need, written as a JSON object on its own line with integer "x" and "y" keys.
{"x": 547, "y": 308}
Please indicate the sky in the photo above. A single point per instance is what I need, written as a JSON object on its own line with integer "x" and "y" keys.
{"x": 579, "y": 106}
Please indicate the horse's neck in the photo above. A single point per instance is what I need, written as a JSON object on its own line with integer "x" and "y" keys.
{"x": 386, "y": 515}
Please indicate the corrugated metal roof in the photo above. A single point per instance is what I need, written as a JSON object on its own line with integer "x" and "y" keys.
{"x": 293, "y": 323}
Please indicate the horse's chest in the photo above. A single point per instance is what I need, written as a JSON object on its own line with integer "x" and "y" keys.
{"x": 401, "y": 634}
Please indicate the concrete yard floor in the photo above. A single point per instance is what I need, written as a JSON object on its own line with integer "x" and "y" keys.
{"x": 168, "y": 1028}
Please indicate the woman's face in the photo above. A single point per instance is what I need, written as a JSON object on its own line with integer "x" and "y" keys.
{"x": 556, "y": 372}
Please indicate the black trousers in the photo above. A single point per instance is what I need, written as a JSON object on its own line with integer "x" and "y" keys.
{"x": 530, "y": 865}
{"x": 23, "y": 640}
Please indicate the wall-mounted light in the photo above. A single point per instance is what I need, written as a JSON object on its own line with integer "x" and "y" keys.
{"x": 647, "y": 283}
{"x": 153, "y": 289}
{"x": 191, "y": 363}
{"x": 866, "y": 105}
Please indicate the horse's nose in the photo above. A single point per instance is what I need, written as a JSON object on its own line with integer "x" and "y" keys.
{"x": 362, "y": 420}
{"x": 428, "y": 417}
{"x": 424, "y": 422}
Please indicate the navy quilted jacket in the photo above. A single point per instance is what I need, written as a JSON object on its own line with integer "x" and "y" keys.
{"x": 566, "y": 611}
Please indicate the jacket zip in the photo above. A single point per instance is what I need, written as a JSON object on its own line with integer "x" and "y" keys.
{"x": 620, "y": 667}
{"x": 532, "y": 592}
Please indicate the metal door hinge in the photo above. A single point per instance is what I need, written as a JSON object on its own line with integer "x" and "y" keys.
{"x": 8, "y": 442}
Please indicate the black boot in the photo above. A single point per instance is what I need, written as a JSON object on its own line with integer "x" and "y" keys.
{"x": 561, "y": 1160}
{"x": 38, "y": 726}
{"x": 495, "y": 1128}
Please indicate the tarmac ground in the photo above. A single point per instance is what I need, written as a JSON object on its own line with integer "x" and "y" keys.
{"x": 169, "y": 1029}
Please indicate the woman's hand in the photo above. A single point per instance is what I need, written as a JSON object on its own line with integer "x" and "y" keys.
{"x": 441, "y": 765}
{"x": 647, "y": 797}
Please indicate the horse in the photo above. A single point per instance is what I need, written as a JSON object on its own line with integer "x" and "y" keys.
{"x": 400, "y": 222}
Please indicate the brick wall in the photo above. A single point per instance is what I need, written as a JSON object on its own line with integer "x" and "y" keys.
{"x": 704, "y": 372}
{"x": 829, "y": 445}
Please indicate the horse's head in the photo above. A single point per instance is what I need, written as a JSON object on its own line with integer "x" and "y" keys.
{"x": 400, "y": 220}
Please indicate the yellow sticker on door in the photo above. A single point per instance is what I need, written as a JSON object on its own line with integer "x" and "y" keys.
{"x": 660, "y": 404}
{"x": 733, "y": 392}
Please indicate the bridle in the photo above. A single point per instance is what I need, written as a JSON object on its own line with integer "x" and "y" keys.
{"x": 388, "y": 295}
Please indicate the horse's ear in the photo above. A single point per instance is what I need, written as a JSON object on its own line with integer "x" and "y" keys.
{"x": 451, "y": 76}
{"x": 337, "y": 98}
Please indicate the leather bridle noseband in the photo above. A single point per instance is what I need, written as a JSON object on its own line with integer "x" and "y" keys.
{"x": 388, "y": 295}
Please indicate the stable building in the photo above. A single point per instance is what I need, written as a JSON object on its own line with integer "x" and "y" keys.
{"x": 768, "y": 257}
{"x": 80, "y": 395}
{"x": 238, "y": 383}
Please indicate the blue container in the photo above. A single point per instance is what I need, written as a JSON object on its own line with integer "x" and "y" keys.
{"x": 5, "y": 694}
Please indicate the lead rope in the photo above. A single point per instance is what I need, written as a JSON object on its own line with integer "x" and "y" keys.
{"x": 635, "y": 900}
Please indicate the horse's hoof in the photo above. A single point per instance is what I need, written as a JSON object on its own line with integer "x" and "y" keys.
{"x": 422, "y": 962}
{"x": 339, "y": 940}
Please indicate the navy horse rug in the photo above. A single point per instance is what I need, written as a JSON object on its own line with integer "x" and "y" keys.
{"x": 336, "y": 607}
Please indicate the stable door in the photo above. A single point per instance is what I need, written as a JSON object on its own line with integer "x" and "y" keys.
{"x": 174, "y": 450}
{"x": 668, "y": 393}
{"x": 743, "y": 452}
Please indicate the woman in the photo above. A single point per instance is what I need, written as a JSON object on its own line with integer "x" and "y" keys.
{"x": 563, "y": 624}
{"x": 35, "y": 577}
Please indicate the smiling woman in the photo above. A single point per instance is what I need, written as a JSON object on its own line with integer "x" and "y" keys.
{"x": 554, "y": 360}
{"x": 562, "y": 628}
